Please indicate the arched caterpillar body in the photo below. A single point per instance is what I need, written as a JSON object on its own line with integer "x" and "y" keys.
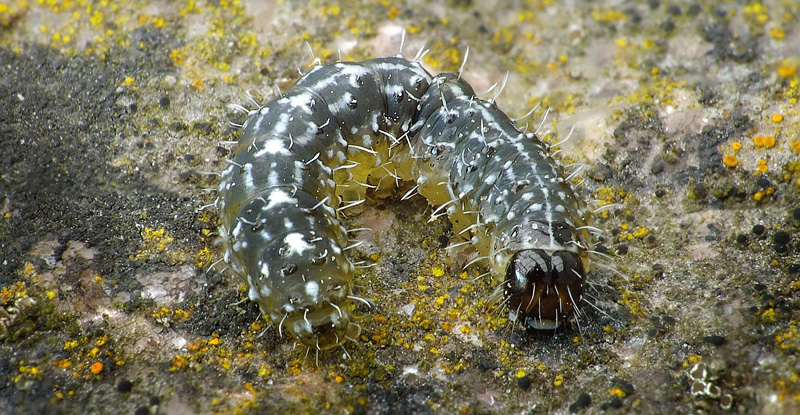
{"x": 349, "y": 126}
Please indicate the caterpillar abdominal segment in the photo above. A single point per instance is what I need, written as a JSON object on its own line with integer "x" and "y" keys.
{"x": 349, "y": 127}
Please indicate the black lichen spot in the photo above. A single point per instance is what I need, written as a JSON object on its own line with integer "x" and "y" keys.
{"x": 707, "y": 97}
{"x": 177, "y": 127}
{"x": 627, "y": 388}
{"x": 658, "y": 270}
{"x": 693, "y": 10}
{"x": 124, "y": 386}
{"x": 727, "y": 45}
{"x": 203, "y": 127}
{"x": 142, "y": 410}
{"x": 759, "y": 230}
{"x": 715, "y": 340}
{"x": 741, "y": 239}
{"x": 613, "y": 403}
{"x": 583, "y": 401}
{"x": 163, "y": 102}
{"x": 657, "y": 167}
{"x": 524, "y": 382}
{"x": 674, "y": 10}
{"x": 698, "y": 192}
{"x": 781, "y": 237}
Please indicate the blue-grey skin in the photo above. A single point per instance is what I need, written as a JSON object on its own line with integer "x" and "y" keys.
{"x": 525, "y": 206}
{"x": 278, "y": 199}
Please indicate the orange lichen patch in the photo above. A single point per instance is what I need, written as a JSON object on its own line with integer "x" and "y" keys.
{"x": 736, "y": 146}
{"x": 730, "y": 160}
{"x": 437, "y": 272}
{"x": 178, "y": 362}
{"x": 787, "y": 69}
{"x": 757, "y": 12}
{"x": 777, "y": 33}
{"x": 776, "y": 118}
{"x": 761, "y": 166}
{"x": 608, "y": 16}
{"x": 97, "y": 367}
{"x": 769, "y": 315}
{"x": 13, "y": 293}
{"x": 204, "y": 258}
{"x": 764, "y": 141}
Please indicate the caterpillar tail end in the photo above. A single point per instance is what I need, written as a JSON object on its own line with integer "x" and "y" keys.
{"x": 544, "y": 288}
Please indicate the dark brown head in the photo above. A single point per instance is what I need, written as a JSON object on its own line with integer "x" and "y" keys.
{"x": 543, "y": 289}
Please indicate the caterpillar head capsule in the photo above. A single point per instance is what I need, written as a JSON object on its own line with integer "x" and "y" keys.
{"x": 543, "y": 289}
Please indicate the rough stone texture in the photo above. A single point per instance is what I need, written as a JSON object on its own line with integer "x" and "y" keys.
{"x": 113, "y": 117}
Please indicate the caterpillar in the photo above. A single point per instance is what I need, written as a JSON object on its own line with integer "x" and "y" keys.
{"x": 347, "y": 127}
